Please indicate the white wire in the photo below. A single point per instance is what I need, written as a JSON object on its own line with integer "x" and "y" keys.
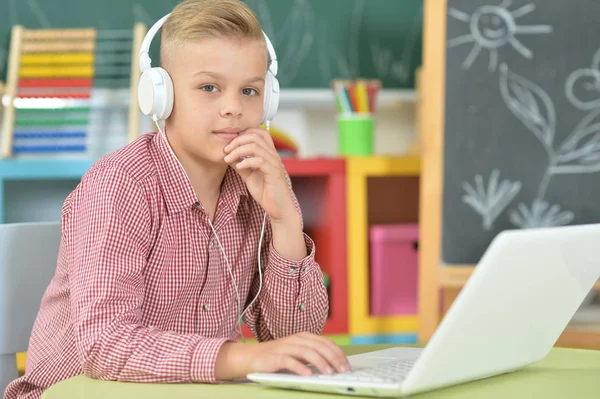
{"x": 238, "y": 326}
{"x": 237, "y": 294}
{"x": 262, "y": 231}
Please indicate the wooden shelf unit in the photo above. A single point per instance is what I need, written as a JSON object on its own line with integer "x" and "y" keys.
{"x": 359, "y": 171}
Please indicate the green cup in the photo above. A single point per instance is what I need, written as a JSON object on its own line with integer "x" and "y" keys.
{"x": 355, "y": 134}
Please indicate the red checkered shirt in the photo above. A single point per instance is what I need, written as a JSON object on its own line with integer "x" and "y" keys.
{"x": 142, "y": 292}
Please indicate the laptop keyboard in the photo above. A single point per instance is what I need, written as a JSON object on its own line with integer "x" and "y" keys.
{"x": 392, "y": 372}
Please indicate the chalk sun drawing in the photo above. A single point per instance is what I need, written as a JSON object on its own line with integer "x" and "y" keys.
{"x": 492, "y": 27}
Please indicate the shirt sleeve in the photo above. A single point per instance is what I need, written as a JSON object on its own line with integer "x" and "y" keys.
{"x": 107, "y": 231}
{"x": 293, "y": 297}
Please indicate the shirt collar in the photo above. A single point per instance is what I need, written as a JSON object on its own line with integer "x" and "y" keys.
{"x": 178, "y": 191}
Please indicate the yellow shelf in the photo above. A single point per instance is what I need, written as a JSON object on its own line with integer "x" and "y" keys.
{"x": 358, "y": 170}
{"x": 21, "y": 359}
{"x": 380, "y": 166}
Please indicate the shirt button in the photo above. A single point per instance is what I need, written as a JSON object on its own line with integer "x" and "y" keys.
{"x": 305, "y": 268}
{"x": 198, "y": 205}
{"x": 301, "y": 306}
{"x": 205, "y": 307}
{"x": 213, "y": 244}
{"x": 293, "y": 269}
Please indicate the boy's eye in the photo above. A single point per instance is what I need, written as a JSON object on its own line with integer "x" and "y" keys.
{"x": 249, "y": 92}
{"x": 209, "y": 88}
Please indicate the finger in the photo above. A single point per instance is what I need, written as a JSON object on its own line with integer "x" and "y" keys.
{"x": 334, "y": 355}
{"x": 254, "y": 140}
{"x": 257, "y": 163}
{"x": 331, "y": 345}
{"x": 248, "y": 138}
{"x": 294, "y": 365}
{"x": 265, "y": 135}
{"x": 260, "y": 142}
{"x": 309, "y": 355}
{"x": 250, "y": 150}
{"x": 330, "y": 351}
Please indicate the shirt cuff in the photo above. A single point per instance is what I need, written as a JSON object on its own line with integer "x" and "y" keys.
{"x": 204, "y": 360}
{"x": 292, "y": 269}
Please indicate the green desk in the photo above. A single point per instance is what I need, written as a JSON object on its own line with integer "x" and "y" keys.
{"x": 564, "y": 373}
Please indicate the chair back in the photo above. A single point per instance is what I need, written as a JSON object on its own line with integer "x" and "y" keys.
{"x": 28, "y": 255}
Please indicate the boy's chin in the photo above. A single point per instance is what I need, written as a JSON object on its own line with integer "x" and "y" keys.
{"x": 215, "y": 157}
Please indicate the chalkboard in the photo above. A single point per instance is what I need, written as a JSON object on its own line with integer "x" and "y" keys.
{"x": 522, "y": 120}
{"x": 315, "y": 40}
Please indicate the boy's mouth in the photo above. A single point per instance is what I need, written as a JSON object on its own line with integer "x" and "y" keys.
{"x": 228, "y": 133}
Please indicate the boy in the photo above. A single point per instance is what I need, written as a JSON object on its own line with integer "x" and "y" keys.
{"x": 160, "y": 239}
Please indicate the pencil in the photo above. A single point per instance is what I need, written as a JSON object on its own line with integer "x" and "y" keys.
{"x": 362, "y": 97}
{"x": 352, "y": 95}
{"x": 338, "y": 102}
{"x": 373, "y": 87}
{"x": 346, "y": 99}
{"x": 341, "y": 96}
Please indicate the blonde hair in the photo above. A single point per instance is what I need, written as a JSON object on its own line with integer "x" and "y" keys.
{"x": 192, "y": 20}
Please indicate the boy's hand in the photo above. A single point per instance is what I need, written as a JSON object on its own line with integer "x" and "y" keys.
{"x": 291, "y": 353}
{"x": 262, "y": 171}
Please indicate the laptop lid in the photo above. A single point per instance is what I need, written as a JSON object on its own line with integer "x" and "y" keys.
{"x": 519, "y": 299}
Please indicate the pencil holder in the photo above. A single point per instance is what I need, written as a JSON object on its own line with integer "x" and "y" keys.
{"x": 355, "y": 134}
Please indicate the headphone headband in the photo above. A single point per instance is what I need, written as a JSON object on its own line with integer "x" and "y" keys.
{"x": 155, "y": 88}
{"x": 146, "y": 62}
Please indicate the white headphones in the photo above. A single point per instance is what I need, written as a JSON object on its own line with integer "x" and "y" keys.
{"x": 155, "y": 88}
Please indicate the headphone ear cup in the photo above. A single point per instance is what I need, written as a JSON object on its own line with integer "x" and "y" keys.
{"x": 271, "y": 98}
{"x": 169, "y": 95}
{"x": 145, "y": 93}
{"x": 155, "y": 93}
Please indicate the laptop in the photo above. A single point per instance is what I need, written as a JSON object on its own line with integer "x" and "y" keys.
{"x": 510, "y": 313}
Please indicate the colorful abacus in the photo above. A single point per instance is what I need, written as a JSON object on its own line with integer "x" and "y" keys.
{"x": 52, "y": 77}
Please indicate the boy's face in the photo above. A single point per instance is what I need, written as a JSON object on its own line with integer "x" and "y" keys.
{"x": 218, "y": 85}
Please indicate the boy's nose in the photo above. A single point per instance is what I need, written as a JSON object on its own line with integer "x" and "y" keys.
{"x": 231, "y": 107}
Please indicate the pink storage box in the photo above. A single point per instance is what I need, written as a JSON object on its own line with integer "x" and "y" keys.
{"x": 394, "y": 262}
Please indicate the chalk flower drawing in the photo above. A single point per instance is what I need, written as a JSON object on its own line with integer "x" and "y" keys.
{"x": 586, "y": 81}
{"x": 578, "y": 153}
{"x": 14, "y": 19}
{"x": 530, "y": 104}
{"x": 540, "y": 215}
{"x": 491, "y": 27}
{"x": 39, "y": 13}
{"x": 490, "y": 202}
{"x": 140, "y": 14}
{"x": 383, "y": 57}
{"x": 295, "y": 38}
{"x": 333, "y": 64}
